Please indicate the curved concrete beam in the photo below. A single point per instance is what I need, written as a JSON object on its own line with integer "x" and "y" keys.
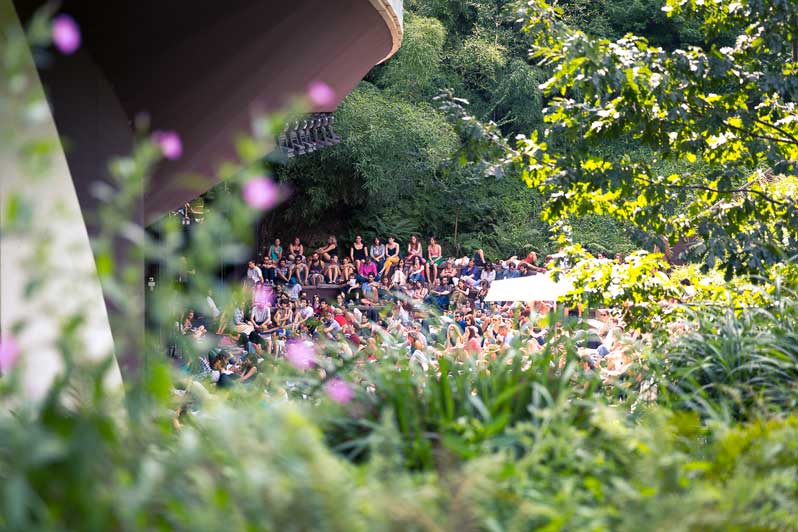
{"x": 392, "y": 12}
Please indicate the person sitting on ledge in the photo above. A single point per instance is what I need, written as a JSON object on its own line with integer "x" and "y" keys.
{"x": 347, "y": 268}
{"x": 392, "y": 249}
{"x": 296, "y": 249}
{"x": 316, "y": 270}
{"x": 358, "y": 251}
{"x": 333, "y": 270}
{"x": 276, "y": 250}
{"x": 330, "y": 250}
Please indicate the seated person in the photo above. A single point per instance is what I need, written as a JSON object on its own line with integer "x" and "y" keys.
{"x": 448, "y": 270}
{"x": 331, "y": 327}
{"x": 530, "y": 261}
{"x": 303, "y": 314}
{"x": 260, "y": 317}
{"x": 330, "y": 250}
{"x": 435, "y": 254}
{"x": 269, "y": 270}
{"x": 296, "y": 249}
{"x": 439, "y": 294}
{"x": 460, "y": 294}
{"x": 283, "y": 272}
{"x": 417, "y": 271}
{"x": 352, "y": 288}
{"x": 333, "y": 270}
{"x": 392, "y": 249}
{"x": 299, "y": 272}
{"x": 470, "y": 274}
{"x": 414, "y": 250}
{"x": 371, "y": 290}
{"x": 275, "y": 250}
{"x": 358, "y": 251}
{"x": 316, "y": 270}
{"x": 377, "y": 252}
{"x": 367, "y": 268}
{"x": 399, "y": 277}
{"x": 347, "y": 268}
{"x": 385, "y": 289}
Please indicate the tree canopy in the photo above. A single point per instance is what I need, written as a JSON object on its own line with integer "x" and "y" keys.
{"x": 395, "y": 170}
{"x": 724, "y": 114}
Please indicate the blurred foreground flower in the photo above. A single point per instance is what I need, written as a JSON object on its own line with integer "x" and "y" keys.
{"x": 339, "y": 390}
{"x": 321, "y": 94}
{"x": 170, "y": 144}
{"x": 261, "y": 193}
{"x": 66, "y": 34}
{"x": 9, "y": 352}
{"x": 300, "y": 354}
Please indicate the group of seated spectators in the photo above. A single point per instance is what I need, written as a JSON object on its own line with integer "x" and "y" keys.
{"x": 374, "y": 272}
{"x": 386, "y": 298}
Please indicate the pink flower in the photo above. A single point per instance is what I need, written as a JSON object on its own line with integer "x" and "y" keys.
{"x": 66, "y": 34}
{"x": 300, "y": 354}
{"x": 170, "y": 144}
{"x": 339, "y": 390}
{"x": 321, "y": 94}
{"x": 9, "y": 352}
{"x": 261, "y": 193}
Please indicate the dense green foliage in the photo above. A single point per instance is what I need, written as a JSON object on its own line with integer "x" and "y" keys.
{"x": 394, "y": 171}
{"x": 700, "y": 434}
{"x": 725, "y": 114}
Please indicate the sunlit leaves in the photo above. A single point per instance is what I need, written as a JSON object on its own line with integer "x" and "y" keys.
{"x": 724, "y": 112}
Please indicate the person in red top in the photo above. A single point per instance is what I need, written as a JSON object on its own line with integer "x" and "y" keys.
{"x": 339, "y": 317}
{"x": 531, "y": 263}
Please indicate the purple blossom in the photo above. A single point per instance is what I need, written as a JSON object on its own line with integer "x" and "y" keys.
{"x": 300, "y": 354}
{"x": 9, "y": 352}
{"x": 321, "y": 94}
{"x": 261, "y": 193}
{"x": 339, "y": 390}
{"x": 170, "y": 144}
{"x": 66, "y": 34}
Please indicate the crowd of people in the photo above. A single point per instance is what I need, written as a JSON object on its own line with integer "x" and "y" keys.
{"x": 383, "y": 296}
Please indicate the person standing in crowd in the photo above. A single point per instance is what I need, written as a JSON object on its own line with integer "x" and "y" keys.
{"x": 254, "y": 274}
